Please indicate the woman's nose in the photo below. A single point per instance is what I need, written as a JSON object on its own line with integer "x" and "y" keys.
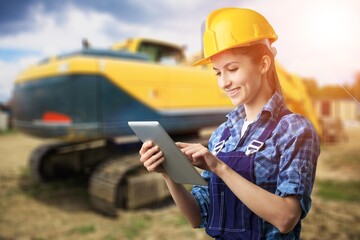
{"x": 223, "y": 81}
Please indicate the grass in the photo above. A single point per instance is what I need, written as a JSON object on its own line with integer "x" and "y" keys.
{"x": 341, "y": 157}
{"x": 85, "y": 229}
{"x": 55, "y": 189}
{"x": 109, "y": 237}
{"x": 339, "y": 190}
{"x": 26, "y": 172}
{"x": 8, "y": 131}
{"x": 350, "y": 158}
{"x": 10, "y": 191}
{"x": 136, "y": 226}
{"x": 181, "y": 221}
{"x": 72, "y": 186}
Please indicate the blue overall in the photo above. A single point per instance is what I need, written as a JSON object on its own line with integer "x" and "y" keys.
{"x": 229, "y": 218}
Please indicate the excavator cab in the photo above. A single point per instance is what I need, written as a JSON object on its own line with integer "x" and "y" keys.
{"x": 161, "y": 54}
{"x": 158, "y": 52}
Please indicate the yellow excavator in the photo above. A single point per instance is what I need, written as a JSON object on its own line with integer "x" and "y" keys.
{"x": 84, "y": 99}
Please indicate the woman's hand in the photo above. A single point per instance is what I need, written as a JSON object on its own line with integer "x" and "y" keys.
{"x": 200, "y": 156}
{"x": 152, "y": 157}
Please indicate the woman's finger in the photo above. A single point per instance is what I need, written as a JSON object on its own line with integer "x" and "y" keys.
{"x": 146, "y": 145}
{"x": 156, "y": 166}
{"x": 182, "y": 144}
{"x": 192, "y": 149}
{"x": 154, "y": 158}
{"x": 150, "y": 152}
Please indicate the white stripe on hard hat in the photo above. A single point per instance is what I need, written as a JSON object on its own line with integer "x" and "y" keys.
{"x": 266, "y": 42}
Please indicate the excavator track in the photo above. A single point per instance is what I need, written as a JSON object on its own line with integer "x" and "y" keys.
{"x": 35, "y": 162}
{"x": 121, "y": 182}
{"x": 56, "y": 160}
{"x": 38, "y": 163}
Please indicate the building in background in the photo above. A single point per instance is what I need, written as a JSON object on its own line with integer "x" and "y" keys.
{"x": 344, "y": 109}
{"x": 5, "y": 117}
{"x": 334, "y": 114}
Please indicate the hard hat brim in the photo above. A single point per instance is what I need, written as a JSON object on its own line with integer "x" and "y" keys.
{"x": 203, "y": 61}
{"x": 266, "y": 42}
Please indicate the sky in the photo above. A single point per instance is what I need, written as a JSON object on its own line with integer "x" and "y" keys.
{"x": 317, "y": 39}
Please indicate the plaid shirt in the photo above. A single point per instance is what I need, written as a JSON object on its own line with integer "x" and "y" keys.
{"x": 287, "y": 159}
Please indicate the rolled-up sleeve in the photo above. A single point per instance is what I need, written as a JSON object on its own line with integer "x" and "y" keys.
{"x": 201, "y": 195}
{"x": 297, "y": 167}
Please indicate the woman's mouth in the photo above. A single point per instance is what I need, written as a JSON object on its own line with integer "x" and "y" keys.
{"x": 233, "y": 91}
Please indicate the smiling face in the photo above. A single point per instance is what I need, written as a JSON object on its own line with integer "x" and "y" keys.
{"x": 243, "y": 80}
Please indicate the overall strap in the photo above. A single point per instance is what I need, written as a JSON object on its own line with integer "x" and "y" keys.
{"x": 225, "y": 135}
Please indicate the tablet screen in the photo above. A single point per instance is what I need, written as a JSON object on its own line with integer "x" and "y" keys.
{"x": 176, "y": 164}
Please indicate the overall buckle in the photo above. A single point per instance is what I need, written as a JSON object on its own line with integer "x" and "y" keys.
{"x": 253, "y": 147}
{"x": 218, "y": 147}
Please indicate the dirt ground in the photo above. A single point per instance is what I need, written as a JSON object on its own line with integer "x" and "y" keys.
{"x": 62, "y": 210}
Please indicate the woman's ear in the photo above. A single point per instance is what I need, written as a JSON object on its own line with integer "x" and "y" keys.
{"x": 265, "y": 64}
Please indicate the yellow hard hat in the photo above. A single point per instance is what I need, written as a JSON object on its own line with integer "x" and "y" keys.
{"x": 234, "y": 27}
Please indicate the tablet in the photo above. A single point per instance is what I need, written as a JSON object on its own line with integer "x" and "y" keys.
{"x": 176, "y": 164}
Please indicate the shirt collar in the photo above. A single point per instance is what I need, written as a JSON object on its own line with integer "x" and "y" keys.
{"x": 274, "y": 106}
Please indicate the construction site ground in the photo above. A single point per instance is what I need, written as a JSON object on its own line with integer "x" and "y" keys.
{"x": 62, "y": 210}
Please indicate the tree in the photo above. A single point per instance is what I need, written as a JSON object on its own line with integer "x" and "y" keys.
{"x": 311, "y": 87}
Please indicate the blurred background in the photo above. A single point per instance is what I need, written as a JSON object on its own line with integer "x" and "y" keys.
{"x": 318, "y": 50}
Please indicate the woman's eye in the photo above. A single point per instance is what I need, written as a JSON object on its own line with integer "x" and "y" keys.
{"x": 233, "y": 69}
{"x": 218, "y": 74}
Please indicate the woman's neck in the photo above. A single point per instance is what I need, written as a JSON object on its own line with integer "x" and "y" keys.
{"x": 252, "y": 112}
{"x": 253, "y": 109}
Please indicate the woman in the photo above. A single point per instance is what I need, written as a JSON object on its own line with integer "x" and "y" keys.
{"x": 260, "y": 164}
